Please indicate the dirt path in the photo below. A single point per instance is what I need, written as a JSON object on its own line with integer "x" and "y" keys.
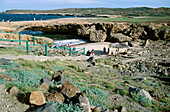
{"x": 10, "y": 104}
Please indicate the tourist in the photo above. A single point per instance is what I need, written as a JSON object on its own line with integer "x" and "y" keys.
{"x": 7, "y": 20}
{"x": 88, "y": 53}
{"x": 104, "y": 50}
{"x": 92, "y": 52}
{"x": 125, "y": 52}
{"x": 2, "y": 19}
{"x": 108, "y": 50}
{"x": 69, "y": 45}
{"x": 116, "y": 53}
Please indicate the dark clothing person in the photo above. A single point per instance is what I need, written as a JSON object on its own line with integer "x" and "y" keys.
{"x": 92, "y": 52}
{"x": 108, "y": 51}
{"x": 104, "y": 50}
{"x": 88, "y": 53}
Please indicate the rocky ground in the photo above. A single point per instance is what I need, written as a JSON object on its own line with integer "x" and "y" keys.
{"x": 145, "y": 66}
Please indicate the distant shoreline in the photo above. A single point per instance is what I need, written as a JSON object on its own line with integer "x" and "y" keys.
{"x": 93, "y": 12}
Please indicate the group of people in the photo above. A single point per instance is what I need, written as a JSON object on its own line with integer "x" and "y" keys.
{"x": 90, "y": 53}
{"x": 8, "y": 20}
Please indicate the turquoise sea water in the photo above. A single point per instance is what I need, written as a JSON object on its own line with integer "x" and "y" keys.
{"x": 29, "y": 17}
{"x": 59, "y": 39}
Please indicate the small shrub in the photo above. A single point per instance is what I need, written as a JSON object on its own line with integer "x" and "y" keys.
{"x": 9, "y": 66}
{"x": 41, "y": 72}
{"x": 122, "y": 92}
{"x": 142, "y": 100}
{"x": 97, "y": 97}
{"x": 3, "y": 81}
{"x": 98, "y": 60}
{"x": 66, "y": 107}
{"x": 58, "y": 68}
{"x": 78, "y": 69}
{"x": 151, "y": 83}
{"x": 101, "y": 66}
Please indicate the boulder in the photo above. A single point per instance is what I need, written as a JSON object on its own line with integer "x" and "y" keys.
{"x": 44, "y": 87}
{"x": 14, "y": 91}
{"x": 68, "y": 89}
{"x": 139, "y": 91}
{"x": 119, "y": 37}
{"x": 49, "y": 107}
{"x": 84, "y": 102}
{"x": 116, "y": 110}
{"x": 123, "y": 109}
{"x": 4, "y": 61}
{"x": 55, "y": 97}
{"x": 101, "y": 109}
{"x": 37, "y": 98}
{"x": 142, "y": 92}
{"x": 58, "y": 77}
{"x": 92, "y": 60}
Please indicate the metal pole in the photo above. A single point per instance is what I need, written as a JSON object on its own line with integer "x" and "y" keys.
{"x": 69, "y": 51}
{"x": 27, "y": 46}
{"x": 19, "y": 38}
{"x": 84, "y": 51}
{"x": 46, "y": 51}
{"x": 33, "y": 41}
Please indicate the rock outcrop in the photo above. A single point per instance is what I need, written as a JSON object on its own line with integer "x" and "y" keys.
{"x": 93, "y": 31}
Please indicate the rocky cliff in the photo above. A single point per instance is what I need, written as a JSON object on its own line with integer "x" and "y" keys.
{"x": 94, "y": 31}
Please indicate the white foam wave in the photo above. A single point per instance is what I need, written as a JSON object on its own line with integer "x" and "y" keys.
{"x": 69, "y": 41}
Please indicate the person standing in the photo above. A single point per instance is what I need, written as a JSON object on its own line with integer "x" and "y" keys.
{"x": 92, "y": 52}
{"x": 104, "y": 50}
{"x": 69, "y": 45}
{"x": 2, "y": 19}
{"x": 116, "y": 53}
{"x": 108, "y": 51}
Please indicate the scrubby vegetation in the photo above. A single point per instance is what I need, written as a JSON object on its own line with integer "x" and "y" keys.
{"x": 138, "y": 11}
{"x": 99, "y": 83}
{"x": 106, "y": 83}
{"x": 136, "y": 20}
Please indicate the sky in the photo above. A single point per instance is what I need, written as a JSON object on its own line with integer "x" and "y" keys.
{"x": 60, "y": 4}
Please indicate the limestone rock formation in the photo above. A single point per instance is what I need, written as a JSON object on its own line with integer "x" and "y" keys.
{"x": 119, "y": 37}
{"x": 93, "y": 31}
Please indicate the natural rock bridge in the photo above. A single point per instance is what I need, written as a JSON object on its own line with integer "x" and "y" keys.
{"x": 93, "y": 31}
